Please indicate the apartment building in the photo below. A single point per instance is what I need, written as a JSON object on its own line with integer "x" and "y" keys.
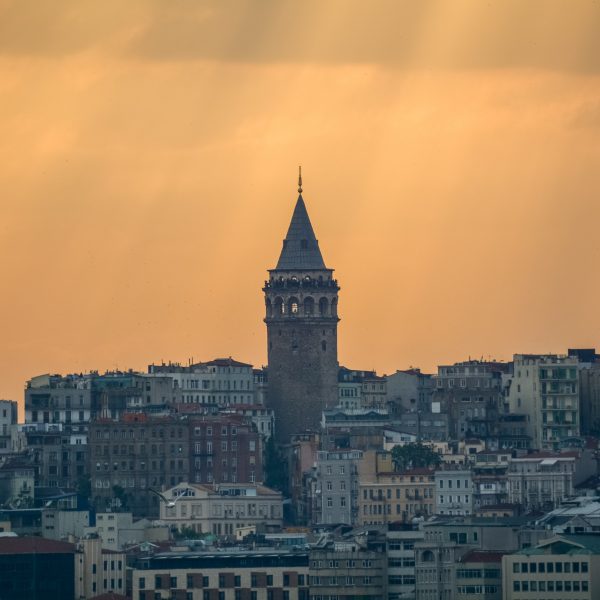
{"x": 8, "y": 419}
{"x": 396, "y": 497}
{"x": 454, "y": 492}
{"x": 401, "y": 540}
{"x": 222, "y": 509}
{"x": 541, "y": 481}
{"x": 337, "y": 486}
{"x": 263, "y": 574}
{"x": 545, "y": 387}
{"x": 564, "y": 566}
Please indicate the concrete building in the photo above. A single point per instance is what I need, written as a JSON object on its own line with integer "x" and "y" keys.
{"x": 8, "y": 419}
{"x": 401, "y": 540}
{"x": 470, "y": 393}
{"x": 479, "y": 576}
{"x": 545, "y": 387}
{"x": 220, "y": 382}
{"x": 59, "y": 524}
{"x": 347, "y": 571}
{"x": 454, "y": 492}
{"x": 396, "y": 497}
{"x": 254, "y": 575}
{"x": 33, "y": 567}
{"x": 222, "y": 510}
{"x": 337, "y": 486}
{"x": 97, "y": 570}
{"x": 410, "y": 391}
{"x": 301, "y": 299}
{"x": 560, "y": 567}
{"x": 541, "y": 481}
{"x": 141, "y": 451}
{"x": 17, "y": 480}
{"x": 117, "y": 530}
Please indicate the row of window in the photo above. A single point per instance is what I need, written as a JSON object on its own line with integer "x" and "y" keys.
{"x": 551, "y": 567}
{"x": 335, "y": 564}
{"x": 550, "y": 586}
{"x": 316, "y": 580}
{"x": 409, "y": 493}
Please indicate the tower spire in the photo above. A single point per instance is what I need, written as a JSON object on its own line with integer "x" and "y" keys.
{"x": 300, "y": 179}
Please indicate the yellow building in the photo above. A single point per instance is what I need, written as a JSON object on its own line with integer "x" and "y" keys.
{"x": 396, "y": 497}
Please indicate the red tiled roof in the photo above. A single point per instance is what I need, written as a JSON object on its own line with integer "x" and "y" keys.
{"x": 481, "y": 556}
{"x": 34, "y": 545}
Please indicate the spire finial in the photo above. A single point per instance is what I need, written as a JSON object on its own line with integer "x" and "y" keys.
{"x": 300, "y": 179}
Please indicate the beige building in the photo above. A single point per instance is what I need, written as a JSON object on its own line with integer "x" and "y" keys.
{"x": 222, "y": 509}
{"x": 98, "y": 571}
{"x": 565, "y": 567}
{"x": 396, "y": 497}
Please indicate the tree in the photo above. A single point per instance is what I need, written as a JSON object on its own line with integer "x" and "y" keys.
{"x": 415, "y": 455}
{"x": 275, "y": 467}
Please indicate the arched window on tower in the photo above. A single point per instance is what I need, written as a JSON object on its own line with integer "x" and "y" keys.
{"x": 323, "y": 306}
{"x": 334, "y": 307}
{"x": 279, "y": 306}
{"x": 293, "y": 306}
{"x": 269, "y": 308}
{"x": 324, "y": 345}
{"x": 309, "y": 305}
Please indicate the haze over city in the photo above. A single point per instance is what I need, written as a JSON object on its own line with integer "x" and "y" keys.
{"x": 148, "y": 172}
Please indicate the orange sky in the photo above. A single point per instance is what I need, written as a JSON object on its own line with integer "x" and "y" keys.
{"x": 148, "y": 157}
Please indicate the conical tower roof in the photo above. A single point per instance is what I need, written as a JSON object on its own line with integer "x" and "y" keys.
{"x": 300, "y": 248}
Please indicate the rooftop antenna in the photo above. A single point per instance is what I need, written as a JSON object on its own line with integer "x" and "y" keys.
{"x": 300, "y": 179}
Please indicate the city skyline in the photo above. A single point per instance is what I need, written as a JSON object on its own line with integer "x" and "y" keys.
{"x": 452, "y": 185}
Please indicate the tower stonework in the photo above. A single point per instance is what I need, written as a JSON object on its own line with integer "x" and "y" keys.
{"x": 301, "y": 299}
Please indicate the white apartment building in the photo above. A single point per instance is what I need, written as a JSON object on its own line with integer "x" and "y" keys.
{"x": 222, "y": 509}
{"x": 545, "y": 387}
{"x": 454, "y": 492}
{"x": 541, "y": 481}
{"x": 220, "y": 382}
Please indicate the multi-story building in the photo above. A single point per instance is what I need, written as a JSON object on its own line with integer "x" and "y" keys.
{"x": 347, "y": 571}
{"x": 60, "y": 457}
{"x": 479, "y": 576}
{"x": 374, "y": 391}
{"x": 249, "y": 574}
{"x": 337, "y": 481}
{"x": 401, "y": 540}
{"x": 470, "y": 393}
{"x": 225, "y": 448}
{"x": 541, "y": 481}
{"x": 8, "y": 419}
{"x": 490, "y": 479}
{"x": 396, "y": 497}
{"x": 562, "y": 567}
{"x": 98, "y": 570}
{"x": 33, "y": 567}
{"x": 301, "y": 300}
{"x": 589, "y": 390}
{"x": 350, "y": 385}
{"x": 17, "y": 480}
{"x": 545, "y": 387}
{"x": 219, "y": 382}
{"x": 223, "y": 509}
{"x": 140, "y": 451}
{"x": 410, "y": 391}
{"x": 454, "y": 492}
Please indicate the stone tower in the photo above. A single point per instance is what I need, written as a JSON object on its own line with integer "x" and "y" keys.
{"x": 301, "y": 299}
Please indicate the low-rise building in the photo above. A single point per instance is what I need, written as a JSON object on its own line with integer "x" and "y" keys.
{"x": 479, "y": 576}
{"x": 562, "y": 567}
{"x": 34, "y": 567}
{"x": 234, "y": 575}
{"x": 223, "y": 509}
{"x": 396, "y": 497}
